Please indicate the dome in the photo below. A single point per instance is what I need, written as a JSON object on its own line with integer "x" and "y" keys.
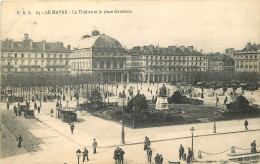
{"x": 101, "y": 41}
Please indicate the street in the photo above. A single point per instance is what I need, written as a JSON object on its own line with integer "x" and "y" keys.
{"x": 165, "y": 140}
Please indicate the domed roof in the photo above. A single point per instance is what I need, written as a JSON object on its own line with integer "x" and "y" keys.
{"x": 100, "y": 41}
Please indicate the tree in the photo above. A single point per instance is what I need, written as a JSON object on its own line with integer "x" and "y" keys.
{"x": 138, "y": 102}
{"x": 95, "y": 97}
{"x": 241, "y": 104}
{"x": 175, "y": 98}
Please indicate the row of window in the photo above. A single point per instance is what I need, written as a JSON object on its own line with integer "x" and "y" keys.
{"x": 161, "y": 63}
{"x": 35, "y": 63}
{"x": 172, "y": 57}
{"x": 246, "y": 56}
{"x": 22, "y": 55}
{"x": 32, "y": 69}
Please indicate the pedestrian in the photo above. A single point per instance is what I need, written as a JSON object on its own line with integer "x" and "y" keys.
{"x": 145, "y": 143}
{"x": 57, "y": 104}
{"x": 161, "y": 159}
{"x": 7, "y": 105}
{"x": 85, "y": 154}
{"x": 20, "y": 139}
{"x": 148, "y": 142}
{"x": 72, "y": 128}
{"x": 51, "y": 112}
{"x": 70, "y": 97}
{"x": 39, "y": 109}
{"x": 149, "y": 154}
{"x": 35, "y": 106}
{"x": 94, "y": 146}
{"x": 181, "y": 151}
{"x": 116, "y": 155}
{"x": 121, "y": 156}
{"x": 246, "y": 124}
{"x": 253, "y": 147}
{"x": 189, "y": 155}
{"x": 157, "y": 158}
{"x": 15, "y": 110}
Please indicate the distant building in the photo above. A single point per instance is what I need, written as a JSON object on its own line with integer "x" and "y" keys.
{"x": 158, "y": 64}
{"x": 248, "y": 59}
{"x": 219, "y": 63}
{"x": 101, "y": 56}
{"x": 230, "y": 52}
{"x": 28, "y": 57}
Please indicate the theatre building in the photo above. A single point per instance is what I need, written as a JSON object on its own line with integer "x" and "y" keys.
{"x": 101, "y": 56}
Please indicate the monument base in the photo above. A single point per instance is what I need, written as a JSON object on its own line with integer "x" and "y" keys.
{"x": 162, "y": 103}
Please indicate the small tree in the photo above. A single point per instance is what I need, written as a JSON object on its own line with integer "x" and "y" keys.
{"x": 96, "y": 97}
{"x": 139, "y": 102}
{"x": 175, "y": 98}
{"x": 241, "y": 104}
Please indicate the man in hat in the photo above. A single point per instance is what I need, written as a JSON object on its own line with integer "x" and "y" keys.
{"x": 246, "y": 124}
{"x": 145, "y": 143}
{"x": 253, "y": 147}
{"x": 7, "y": 105}
{"x": 85, "y": 154}
{"x": 15, "y": 110}
{"x": 121, "y": 156}
{"x": 181, "y": 151}
{"x": 148, "y": 142}
{"x": 72, "y": 128}
{"x": 149, "y": 154}
{"x": 189, "y": 155}
{"x": 39, "y": 109}
{"x": 116, "y": 155}
{"x": 161, "y": 159}
{"x": 94, "y": 146}
{"x": 20, "y": 139}
{"x": 157, "y": 158}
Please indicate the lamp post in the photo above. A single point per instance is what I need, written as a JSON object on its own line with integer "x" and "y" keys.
{"x": 192, "y": 132}
{"x": 41, "y": 92}
{"x": 78, "y": 153}
{"x": 123, "y": 97}
{"x": 214, "y": 129}
{"x": 133, "y": 117}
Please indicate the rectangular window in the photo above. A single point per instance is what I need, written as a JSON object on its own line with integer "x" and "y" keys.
{"x": 15, "y": 55}
{"x": 22, "y": 55}
{"x": 42, "y": 55}
{"x": 60, "y": 56}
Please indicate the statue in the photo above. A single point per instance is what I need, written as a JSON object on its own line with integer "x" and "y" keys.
{"x": 163, "y": 91}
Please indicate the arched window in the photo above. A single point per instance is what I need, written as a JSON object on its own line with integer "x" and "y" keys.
{"x": 115, "y": 64}
{"x": 102, "y": 64}
{"x": 121, "y": 64}
{"x": 108, "y": 64}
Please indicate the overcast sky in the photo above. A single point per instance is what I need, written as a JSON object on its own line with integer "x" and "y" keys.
{"x": 211, "y": 26}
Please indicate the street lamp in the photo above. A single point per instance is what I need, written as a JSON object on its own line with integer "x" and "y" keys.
{"x": 78, "y": 153}
{"x": 133, "y": 117}
{"x": 192, "y": 132}
{"x": 41, "y": 92}
{"x": 123, "y": 97}
{"x": 214, "y": 130}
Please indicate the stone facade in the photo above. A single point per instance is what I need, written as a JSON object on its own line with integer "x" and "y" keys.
{"x": 248, "y": 59}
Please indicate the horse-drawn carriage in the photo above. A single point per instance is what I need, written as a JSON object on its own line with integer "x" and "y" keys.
{"x": 29, "y": 113}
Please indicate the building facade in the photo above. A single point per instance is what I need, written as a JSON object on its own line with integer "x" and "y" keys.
{"x": 248, "y": 59}
{"x": 101, "y": 56}
{"x": 158, "y": 64}
{"x": 28, "y": 57}
{"x": 218, "y": 63}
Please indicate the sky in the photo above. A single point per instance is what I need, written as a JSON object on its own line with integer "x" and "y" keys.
{"x": 210, "y": 26}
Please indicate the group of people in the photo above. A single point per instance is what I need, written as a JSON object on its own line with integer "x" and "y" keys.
{"x": 85, "y": 151}
{"x": 182, "y": 154}
{"x": 119, "y": 155}
{"x": 158, "y": 158}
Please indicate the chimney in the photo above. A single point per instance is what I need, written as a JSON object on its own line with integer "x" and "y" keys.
{"x": 26, "y": 37}
{"x": 182, "y": 48}
{"x": 68, "y": 47}
{"x": 12, "y": 44}
{"x": 173, "y": 48}
{"x": 137, "y": 48}
{"x": 191, "y": 48}
{"x": 43, "y": 45}
{"x": 151, "y": 47}
{"x": 31, "y": 44}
